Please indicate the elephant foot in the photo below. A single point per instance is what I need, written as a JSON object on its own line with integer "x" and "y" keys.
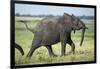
{"x": 71, "y": 52}
{"x": 54, "y": 55}
{"x": 62, "y": 55}
{"x": 28, "y": 56}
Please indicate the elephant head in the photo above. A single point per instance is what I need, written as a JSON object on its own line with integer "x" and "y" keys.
{"x": 76, "y": 24}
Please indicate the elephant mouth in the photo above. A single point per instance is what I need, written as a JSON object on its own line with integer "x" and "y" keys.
{"x": 78, "y": 28}
{"x": 82, "y": 28}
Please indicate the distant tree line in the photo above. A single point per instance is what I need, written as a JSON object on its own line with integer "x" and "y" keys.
{"x": 86, "y": 17}
{"x": 49, "y": 16}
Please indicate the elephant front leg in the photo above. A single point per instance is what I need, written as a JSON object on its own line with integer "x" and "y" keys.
{"x": 63, "y": 39}
{"x": 51, "y": 53}
{"x": 72, "y": 46}
{"x": 63, "y": 50}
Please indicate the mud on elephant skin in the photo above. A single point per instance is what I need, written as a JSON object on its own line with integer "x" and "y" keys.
{"x": 61, "y": 29}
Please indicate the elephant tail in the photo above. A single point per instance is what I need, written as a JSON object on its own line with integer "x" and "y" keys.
{"x": 25, "y": 22}
{"x": 19, "y": 48}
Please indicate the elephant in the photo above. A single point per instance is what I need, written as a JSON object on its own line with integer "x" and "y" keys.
{"x": 19, "y": 48}
{"x": 50, "y": 31}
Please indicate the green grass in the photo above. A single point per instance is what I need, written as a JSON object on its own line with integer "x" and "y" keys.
{"x": 41, "y": 56}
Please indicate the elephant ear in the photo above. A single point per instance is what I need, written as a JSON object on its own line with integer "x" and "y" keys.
{"x": 67, "y": 18}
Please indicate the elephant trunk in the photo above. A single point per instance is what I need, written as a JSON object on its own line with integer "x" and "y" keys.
{"x": 83, "y": 32}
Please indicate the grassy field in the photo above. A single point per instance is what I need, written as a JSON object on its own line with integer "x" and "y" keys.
{"x": 24, "y": 38}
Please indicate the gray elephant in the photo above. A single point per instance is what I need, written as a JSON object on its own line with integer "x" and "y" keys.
{"x": 19, "y": 48}
{"x": 50, "y": 31}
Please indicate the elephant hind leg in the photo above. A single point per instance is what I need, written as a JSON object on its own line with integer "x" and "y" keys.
{"x": 35, "y": 45}
{"x": 19, "y": 48}
{"x": 32, "y": 49}
{"x": 51, "y": 53}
